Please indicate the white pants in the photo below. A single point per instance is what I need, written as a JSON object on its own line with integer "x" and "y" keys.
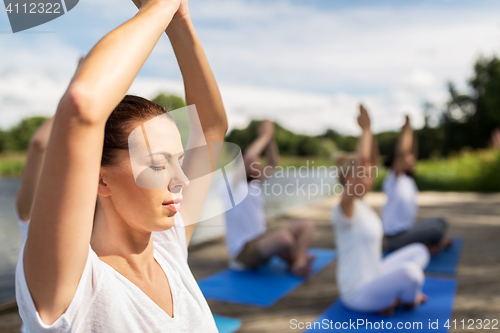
{"x": 401, "y": 277}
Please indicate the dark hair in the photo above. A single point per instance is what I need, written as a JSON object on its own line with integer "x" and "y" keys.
{"x": 120, "y": 124}
{"x": 389, "y": 160}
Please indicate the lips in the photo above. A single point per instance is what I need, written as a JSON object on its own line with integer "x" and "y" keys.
{"x": 174, "y": 205}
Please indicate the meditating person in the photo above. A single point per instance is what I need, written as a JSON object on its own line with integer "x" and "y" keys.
{"x": 248, "y": 243}
{"x": 366, "y": 281}
{"x": 104, "y": 254}
{"x": 400, "y": 211}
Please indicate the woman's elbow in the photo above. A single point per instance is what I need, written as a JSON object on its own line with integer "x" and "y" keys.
{"x": 39, "y": 144}
{"x": 78, "y": 103}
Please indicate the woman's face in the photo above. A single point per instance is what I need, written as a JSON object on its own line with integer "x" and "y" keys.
{"x": 363, "y": 184}
{"x": 409, "y": 162}
{"x": 148, "y": 197}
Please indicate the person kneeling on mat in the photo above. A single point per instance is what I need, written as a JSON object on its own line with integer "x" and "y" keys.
{"x": 400, "y": 211}
{"x": 248, "y": 243}
{"x": 368, "y": 283}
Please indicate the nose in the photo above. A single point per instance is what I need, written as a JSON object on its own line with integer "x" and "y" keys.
{"x": 178, "y": 180}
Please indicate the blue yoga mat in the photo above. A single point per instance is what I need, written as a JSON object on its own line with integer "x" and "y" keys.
{"x": 261, "y": 287}
{"x": 227, "y": 324}
{"x": 447, "y": 261}
{"x": 441, "y": 294}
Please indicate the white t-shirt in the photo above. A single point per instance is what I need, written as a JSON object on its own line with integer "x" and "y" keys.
{"x": 23, "y": 226}
{"x": 359, "y": 247}
{"x": 23, "y": 229}
{"x": 401, "y": 209}
{"x": 106, "y": 301}
{"x": 246, "y": 221}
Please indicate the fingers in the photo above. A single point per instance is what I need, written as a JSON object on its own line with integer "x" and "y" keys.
{"x": 363, "y": 112}
{"x": 137, "y": 3}
{"x": 80, "y": 60}
{"x": 362, "y": 109}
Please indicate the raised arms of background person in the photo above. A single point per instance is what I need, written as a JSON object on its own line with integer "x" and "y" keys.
{"x": 365, "y": 156}
{"x": 254, "y": 151}
{"x": 32, "y": 170}
{"x": 406, "y": 146}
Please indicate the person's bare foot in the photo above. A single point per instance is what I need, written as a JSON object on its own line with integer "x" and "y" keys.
{"x": 444, "y": 244}
{"x": 389, "y": 312}
{"x": 303, "y": 269}
{"x": 435, "y": 249}
{"x": 421, "y": 299}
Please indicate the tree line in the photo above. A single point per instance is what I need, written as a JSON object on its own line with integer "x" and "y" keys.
{"x": 466, "y": 121}
{"x": 17, "y": 138}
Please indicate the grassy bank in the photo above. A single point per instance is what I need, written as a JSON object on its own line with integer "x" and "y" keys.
{"x": 477, "y": 171}
{"x": 11, "y": 164}
{"x": 469, "y": 171}
{"x": 474, "y": 171}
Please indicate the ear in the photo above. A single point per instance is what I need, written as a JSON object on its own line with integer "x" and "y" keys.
{"x": 103, "y": 189}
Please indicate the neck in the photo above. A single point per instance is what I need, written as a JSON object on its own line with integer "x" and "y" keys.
{"x": 119, "y": 244}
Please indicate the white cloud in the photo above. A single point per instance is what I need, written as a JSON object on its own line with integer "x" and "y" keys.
{"x": 304, "y": 66}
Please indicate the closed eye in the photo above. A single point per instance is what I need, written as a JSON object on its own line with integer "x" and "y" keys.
{"x": 157, "y": 168}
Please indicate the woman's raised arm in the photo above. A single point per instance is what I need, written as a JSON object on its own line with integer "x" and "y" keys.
{"x": 32, "y": 169}
{"x": 405, "y": 146}
{"x": 364, "y": 160}
{"x": 61, "y": 221}
{"x": 201, "y": 90}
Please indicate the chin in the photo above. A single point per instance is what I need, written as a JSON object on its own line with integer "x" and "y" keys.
{"x": 163, "y": 224}
{"x": 410, "y": 173}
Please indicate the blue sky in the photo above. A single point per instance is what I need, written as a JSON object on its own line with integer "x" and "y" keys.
{"x": 305, "y": 64}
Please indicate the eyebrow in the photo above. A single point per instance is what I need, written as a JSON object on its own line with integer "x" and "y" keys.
{"x": 167, "y": 155}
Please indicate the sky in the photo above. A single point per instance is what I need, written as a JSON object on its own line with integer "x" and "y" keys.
{"x": 305, "y": 64}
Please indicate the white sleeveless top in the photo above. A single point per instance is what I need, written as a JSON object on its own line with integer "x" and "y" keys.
{"x": 246, "y": 221}
{"x": 401, "y": 209}
{"x": 359, "y": 247}
{"x": 106, "y": 301}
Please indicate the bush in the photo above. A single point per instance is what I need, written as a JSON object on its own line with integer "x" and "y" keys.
{"x": 474, "y": 171}
{"x": 12, "y": 164}
{"x": 19, "y": 136}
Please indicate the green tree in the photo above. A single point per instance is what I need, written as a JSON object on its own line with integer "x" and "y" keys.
{"x": 173, "y": 102}
{"x": 469, "y": 118}
{"x": 19, "y": 136}
{"x": 169, "y": 101}
{"x": 3, "y": 140}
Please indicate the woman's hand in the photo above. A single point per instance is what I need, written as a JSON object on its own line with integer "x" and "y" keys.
{"x": 407, "y": 124}
{"x": 183, "y": 11}
{"x": 266, "y": 128}
{"x": 363, "y": 118}
{"x": 140, "y": 3}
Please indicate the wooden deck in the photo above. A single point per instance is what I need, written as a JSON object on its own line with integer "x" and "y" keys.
{"x": 474, "y": 217}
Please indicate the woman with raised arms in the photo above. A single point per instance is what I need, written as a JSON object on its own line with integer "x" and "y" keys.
{"x": 367, "y": 282}
{"x": 120, "y": 265}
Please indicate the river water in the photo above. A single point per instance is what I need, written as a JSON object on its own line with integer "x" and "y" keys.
{"x": 10, "y": 239}
{"x": 281, "y": 194}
